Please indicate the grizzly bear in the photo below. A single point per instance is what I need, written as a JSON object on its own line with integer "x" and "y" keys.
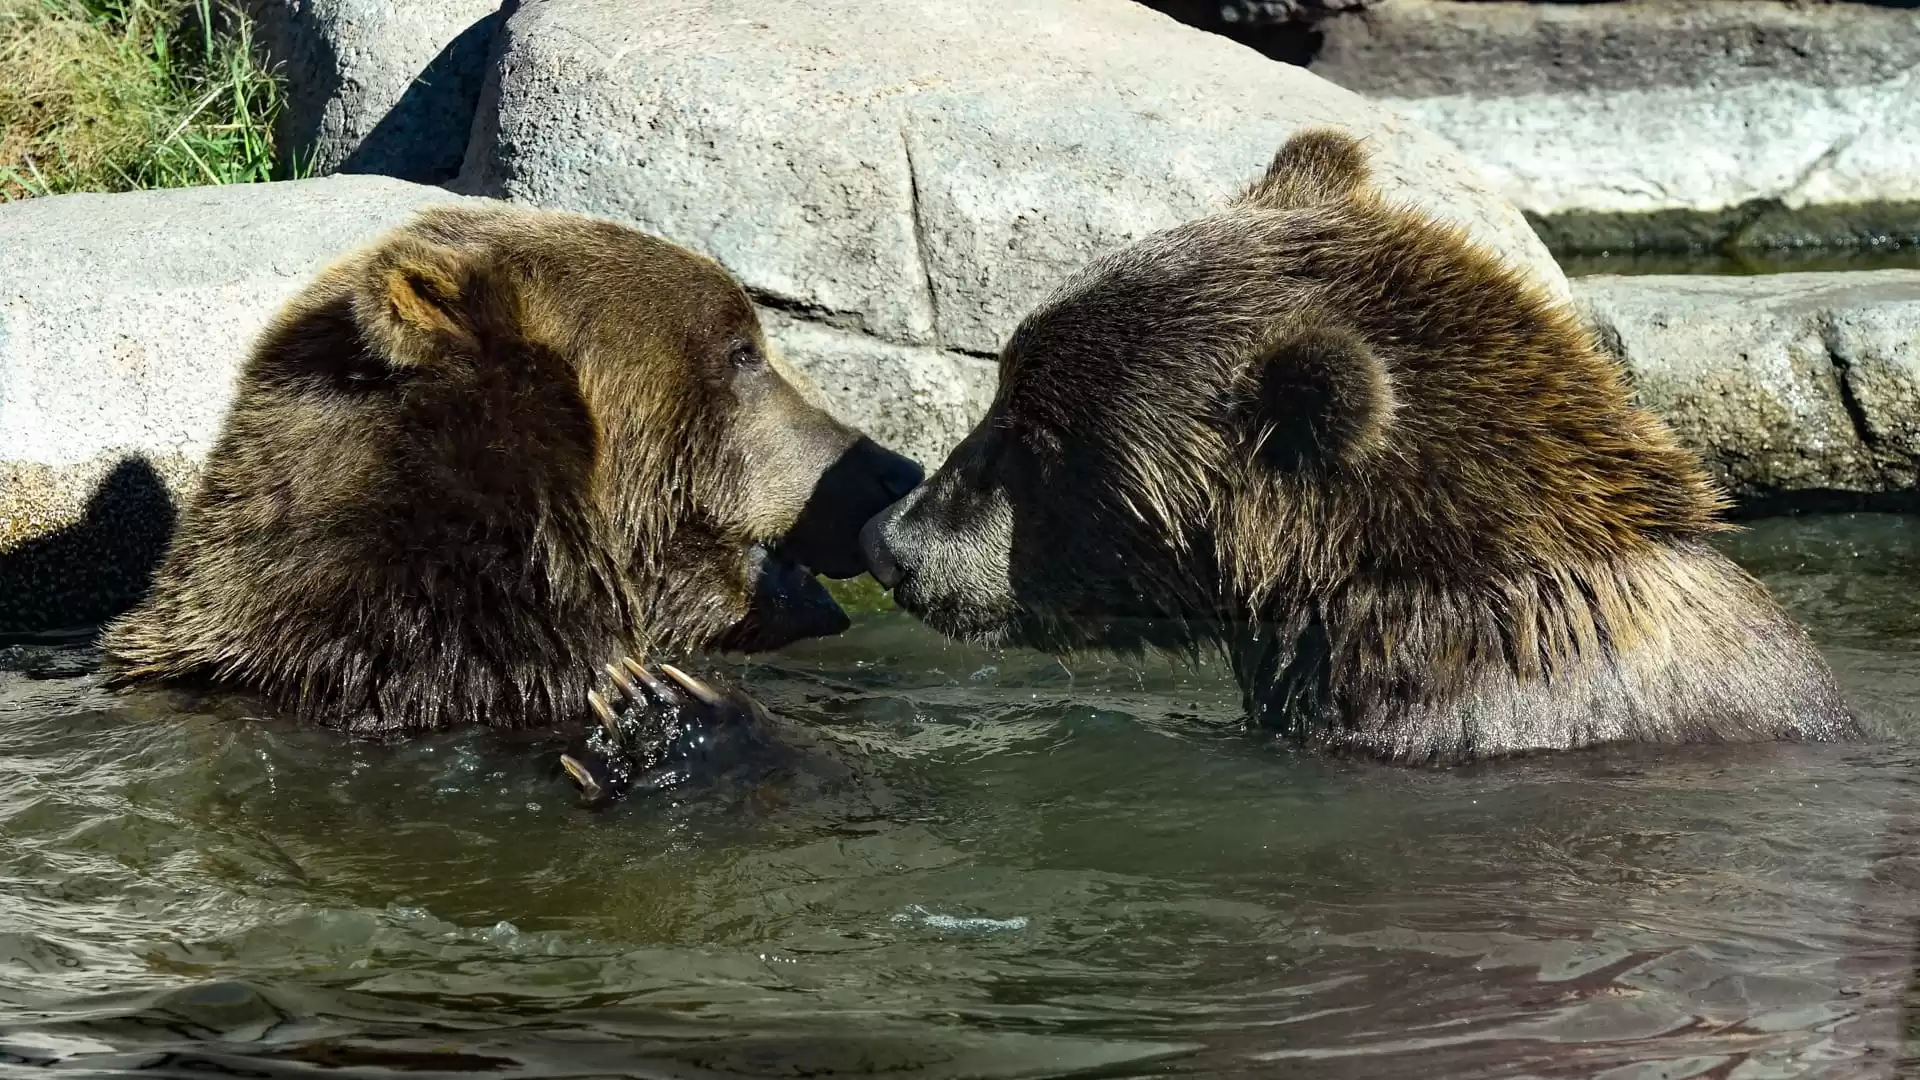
{"x": 482, "y": 459}
{"x": 1393, "y": 480}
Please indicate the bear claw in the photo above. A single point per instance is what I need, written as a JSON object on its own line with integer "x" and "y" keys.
{"x": 653, "y": 734}
{"x": 705, "y": 694}
{"x": 590, "y": 788}
{"x": 660, "y": 691}
{"x": 605, "y": 712}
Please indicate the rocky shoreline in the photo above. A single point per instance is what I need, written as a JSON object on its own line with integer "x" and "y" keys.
{"x": 1639, "y": 125}
{"x": 1631, "y": 125}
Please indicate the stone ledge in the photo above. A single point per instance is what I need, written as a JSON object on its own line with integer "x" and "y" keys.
{"x": 1789, "y": 384}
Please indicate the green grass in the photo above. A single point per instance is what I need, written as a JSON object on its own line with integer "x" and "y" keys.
{"x": 114, "y": 95}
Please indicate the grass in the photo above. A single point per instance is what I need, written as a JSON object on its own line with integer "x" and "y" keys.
{"x": 114, "y": 95}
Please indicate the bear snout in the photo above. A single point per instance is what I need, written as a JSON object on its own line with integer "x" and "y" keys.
{"x": 944, "y": 554}
{"x": 897, "y": 475}
{"x": 873, "y": 547}
{"x": 865, "y": 480}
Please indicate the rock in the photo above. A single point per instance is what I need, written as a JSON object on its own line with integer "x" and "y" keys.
{"x": 922, "y": 189}
{"x": 375, "y": 86}
{"x": 1788, "y": 383}
{"x": 123, "y": 320}
{"x": 1669, "y": 123}
{"x": 912, "y": 399}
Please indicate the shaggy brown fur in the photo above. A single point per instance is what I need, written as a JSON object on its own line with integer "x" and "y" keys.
{"x": 1394, "y": 479}
{"x": 476, "y": 461}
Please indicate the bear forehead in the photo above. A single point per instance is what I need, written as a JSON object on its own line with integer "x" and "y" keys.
{"x": 594, "y": 267}
{"x": 1211, "y": 280}
{"x": 1161, "y": 323}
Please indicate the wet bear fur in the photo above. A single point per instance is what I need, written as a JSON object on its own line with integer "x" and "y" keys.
{"x": 482, "y": 458}
{"x": 1397, "y": 482}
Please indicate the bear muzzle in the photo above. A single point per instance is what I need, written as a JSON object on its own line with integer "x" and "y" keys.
{"x": 945, "y": 551}
{"x": 786, "y": 601}
{"x": 787, "y": 604}
{"x": 862, "y": 482}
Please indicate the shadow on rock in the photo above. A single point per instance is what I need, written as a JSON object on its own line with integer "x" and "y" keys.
{"x": 424, "y": 136}
{"x": 68, "y": 582}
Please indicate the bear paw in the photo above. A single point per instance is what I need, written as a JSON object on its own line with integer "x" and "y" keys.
{"x": 661, "y": 734}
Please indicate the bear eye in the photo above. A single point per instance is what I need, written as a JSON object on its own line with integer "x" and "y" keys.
{"x": 745, "y": 356}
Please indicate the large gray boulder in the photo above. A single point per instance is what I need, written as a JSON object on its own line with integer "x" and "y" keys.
{"x": 375, "y": 86}
{"x": 913, "y": 175}
{"x": 1789, "y": 383}
{"x": 1670, "y": 123}
{"x": 123, "y": 320}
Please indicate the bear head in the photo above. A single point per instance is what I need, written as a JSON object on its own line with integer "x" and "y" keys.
{"x": 491, "y": 452}
{"x": 1394, "y": 479}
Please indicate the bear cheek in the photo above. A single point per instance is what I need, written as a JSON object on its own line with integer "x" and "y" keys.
{"x": 783, "y": 446}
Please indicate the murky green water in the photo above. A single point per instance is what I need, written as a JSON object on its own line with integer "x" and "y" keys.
{"x": 1777, "y": 261}
{"x": 1054, "y": 873}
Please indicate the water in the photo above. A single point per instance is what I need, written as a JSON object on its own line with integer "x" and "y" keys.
{"x": 1051, "y": 873}
{"x": 1770, "y": 261}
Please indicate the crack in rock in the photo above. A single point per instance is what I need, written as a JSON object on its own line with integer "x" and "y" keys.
{"x": 920, "y": 235}
{"x": 1849, "y": 396}
{"x": 1827, "y": 157}
{"x": 806, "y": 311}
{"x": 851, "y": 322}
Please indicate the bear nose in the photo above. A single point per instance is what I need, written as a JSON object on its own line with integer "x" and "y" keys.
{"x": 873, "y": 547}
{"x": 898, "y": 475}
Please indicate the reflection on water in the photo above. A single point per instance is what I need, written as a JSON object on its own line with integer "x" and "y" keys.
{"x": 1052, "y": 872}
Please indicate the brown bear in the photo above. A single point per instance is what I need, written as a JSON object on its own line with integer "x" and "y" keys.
{"x": 487, "y": 456}
{"x": 1395, "y": 481}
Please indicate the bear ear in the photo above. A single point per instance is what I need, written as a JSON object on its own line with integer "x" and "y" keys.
{"x": 419, "y": 302}
{"x": 1317, "y": 397}
{"x": 1315, "y": 167}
